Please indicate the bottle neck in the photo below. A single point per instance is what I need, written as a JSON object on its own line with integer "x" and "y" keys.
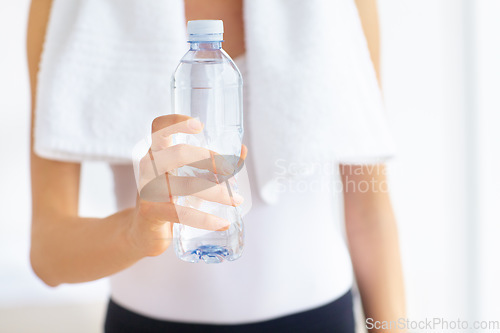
{"x": 205, "y": 46}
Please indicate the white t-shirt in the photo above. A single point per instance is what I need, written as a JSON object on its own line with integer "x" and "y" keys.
{"x": 294, "y": 259}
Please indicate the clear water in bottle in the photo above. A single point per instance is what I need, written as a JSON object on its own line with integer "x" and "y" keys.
{"x": 207, "y": 85}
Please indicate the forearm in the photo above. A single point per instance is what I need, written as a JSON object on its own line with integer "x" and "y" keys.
{"x": 373, "y": 242}
{"x": 72, "y": 250}
{"x": 377, "y": 265}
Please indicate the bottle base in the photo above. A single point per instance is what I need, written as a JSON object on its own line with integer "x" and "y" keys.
{"x": 210, "y": 254}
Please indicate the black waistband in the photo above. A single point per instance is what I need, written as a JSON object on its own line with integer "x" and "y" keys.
{"x": 336, "y": 316}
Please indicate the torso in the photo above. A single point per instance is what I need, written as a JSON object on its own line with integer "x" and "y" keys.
{"x": 294, "y": 260}
{"x": 288, "y": 266}
{"x": 230, "y": 11}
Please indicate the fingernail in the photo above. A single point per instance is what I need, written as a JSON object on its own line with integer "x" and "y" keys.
{"x": 225, "y": 224}
{"x": 194, "y": 124}
{"x": 237, "y": 198}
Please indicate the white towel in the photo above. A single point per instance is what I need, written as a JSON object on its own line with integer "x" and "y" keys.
{"x": 313, "y": 95}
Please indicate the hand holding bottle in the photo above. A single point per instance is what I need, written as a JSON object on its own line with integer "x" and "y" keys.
{"x": 156, "y": 211}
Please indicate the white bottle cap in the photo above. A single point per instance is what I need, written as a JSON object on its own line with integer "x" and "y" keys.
{"x": 205, "y": 30}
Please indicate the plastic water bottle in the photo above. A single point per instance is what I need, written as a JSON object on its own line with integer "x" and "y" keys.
{"x": 208, "y": 86}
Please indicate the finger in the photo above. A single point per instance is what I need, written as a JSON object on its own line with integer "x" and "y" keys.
{"x": 197, "y": 219}
{"x": 236, "y": 163}
{"x": 154, "y": 164}
{"x": 243, "y": 156}
{"x": 166, "y": 160}
{"x": 176, "y": 156}
{"x": 164, "y": 127}
{"x": 161, "y": 213}
{"x": 203, "y": 189}
{"x": 165, "y": 188}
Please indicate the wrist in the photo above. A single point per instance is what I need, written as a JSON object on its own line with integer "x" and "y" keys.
{"x": 130, "y": 244}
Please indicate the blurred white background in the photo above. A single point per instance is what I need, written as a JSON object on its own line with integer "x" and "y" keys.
{"x": 441, "y": 77}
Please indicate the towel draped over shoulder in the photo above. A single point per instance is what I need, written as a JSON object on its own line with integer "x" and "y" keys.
{"x": 312, "y": 90}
